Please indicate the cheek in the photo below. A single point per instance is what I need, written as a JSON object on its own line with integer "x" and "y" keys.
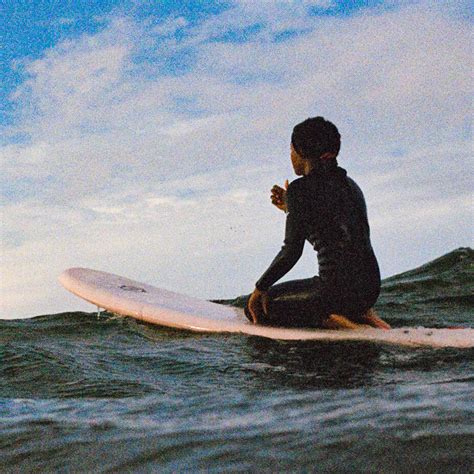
{"x": 294, "y": 160}
{"x": 298, "y": 164}
{"x": 298, "y": 168}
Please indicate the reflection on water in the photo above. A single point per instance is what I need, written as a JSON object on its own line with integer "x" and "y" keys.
{"x": 310, "y": 364}
{"x": 115, "y": 394}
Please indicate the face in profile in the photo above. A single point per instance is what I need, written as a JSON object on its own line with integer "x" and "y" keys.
{"x": 297, "y": 162}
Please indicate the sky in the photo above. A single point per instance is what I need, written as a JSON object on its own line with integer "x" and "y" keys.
{"x": 143, "y": 137}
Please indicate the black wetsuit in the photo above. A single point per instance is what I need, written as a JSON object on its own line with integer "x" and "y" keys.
{"x": 328, "y": 209}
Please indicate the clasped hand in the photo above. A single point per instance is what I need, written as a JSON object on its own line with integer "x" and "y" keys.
{"x": 258, "y": 305}
{"x": 278, "y": 196}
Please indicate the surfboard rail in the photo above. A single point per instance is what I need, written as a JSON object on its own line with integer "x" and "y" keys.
{"x": 161, "y": 307}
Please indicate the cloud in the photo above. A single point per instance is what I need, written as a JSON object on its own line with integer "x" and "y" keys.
{"x": 155, "y": 236}
{"x": 170, "y": 26}
{"x": 172, "y": 170}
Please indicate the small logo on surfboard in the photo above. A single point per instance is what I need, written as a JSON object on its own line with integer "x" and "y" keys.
{"x": 132, "y": 288}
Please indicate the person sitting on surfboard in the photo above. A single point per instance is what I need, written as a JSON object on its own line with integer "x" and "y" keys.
{"x": 328, "y": 209}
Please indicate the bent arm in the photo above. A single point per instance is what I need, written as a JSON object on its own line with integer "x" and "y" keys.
{"x": 289, "y": 253}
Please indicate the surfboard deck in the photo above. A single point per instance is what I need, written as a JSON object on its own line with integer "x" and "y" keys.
{"x": 153, "y": 305}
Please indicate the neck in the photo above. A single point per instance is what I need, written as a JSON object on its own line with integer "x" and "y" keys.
{"x": 319, "y": 166}
{"x": 308, "y": 168}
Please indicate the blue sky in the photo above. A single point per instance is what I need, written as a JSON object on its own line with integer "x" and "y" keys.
{"x": 29, "y": 28}
{"x": 32, "y": 27}
{"x": 159, "y": 127}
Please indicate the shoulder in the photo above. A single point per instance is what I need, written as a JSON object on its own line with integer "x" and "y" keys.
{"x": 296, "y": 190}
{"x": 295, "y": 194}
{"x": 352, "y": 183}
{"x": 355, "y": 188}
{"x": 296, "y": 187}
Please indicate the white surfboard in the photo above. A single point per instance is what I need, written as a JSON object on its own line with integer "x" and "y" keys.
{"x": 165, "y": 308}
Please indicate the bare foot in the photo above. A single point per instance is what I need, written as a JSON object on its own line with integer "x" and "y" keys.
{"x": 337, "y": 321}
{"x": 371, "y": 318}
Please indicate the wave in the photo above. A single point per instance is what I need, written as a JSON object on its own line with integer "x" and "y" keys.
{"x": 447, "y": 279}
{"x": 76, "y": 355}
{"x": 86, "y": 393}
{"x": 458, "y": 262}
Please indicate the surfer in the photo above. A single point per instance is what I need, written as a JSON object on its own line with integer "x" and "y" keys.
{"x": 327, "y": 208}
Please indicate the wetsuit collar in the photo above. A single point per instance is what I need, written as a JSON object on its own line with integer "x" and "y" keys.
{"x": 326, "y": 168}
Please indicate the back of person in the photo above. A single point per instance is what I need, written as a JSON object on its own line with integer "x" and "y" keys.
{"x": 326, "y": 208}
{"x": 334, "y": 216}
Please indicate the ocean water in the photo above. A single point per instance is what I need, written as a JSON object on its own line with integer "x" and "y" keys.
{"x": 82, "y": 393}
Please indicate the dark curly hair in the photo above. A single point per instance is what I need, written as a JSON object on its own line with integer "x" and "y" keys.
{"x": 314, "y": 137}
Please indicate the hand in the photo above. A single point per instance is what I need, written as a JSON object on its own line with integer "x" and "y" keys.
{"x": 258, "y": 305}
{"x": 279, "y": 196}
